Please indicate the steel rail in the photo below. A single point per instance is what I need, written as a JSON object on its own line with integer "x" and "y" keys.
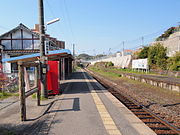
{"x": 107, "y": 83}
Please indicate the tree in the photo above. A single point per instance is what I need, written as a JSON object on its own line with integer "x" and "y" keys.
{"x": 100, "y": 55}
{"x": 84, "y": 56}
{"x": 174, "y": 62}
{"x": 143, "y": 53}
{"x": 166, "y": 34}
{"x": 157, "y": 56}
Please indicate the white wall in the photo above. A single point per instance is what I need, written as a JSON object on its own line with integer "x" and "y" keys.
{"x": 6, "y": 66}
{"x": 119, "y": 61}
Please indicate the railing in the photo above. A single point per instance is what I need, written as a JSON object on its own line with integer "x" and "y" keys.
{"x": 31, "y": 91}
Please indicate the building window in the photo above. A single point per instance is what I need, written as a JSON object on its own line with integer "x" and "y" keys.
{"x": 14, "y": 67}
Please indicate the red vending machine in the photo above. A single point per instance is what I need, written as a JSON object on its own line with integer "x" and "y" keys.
{"x": 53, "y": 78}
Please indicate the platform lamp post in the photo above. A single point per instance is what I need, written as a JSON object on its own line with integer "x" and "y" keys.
{"x": 43, "y": 58}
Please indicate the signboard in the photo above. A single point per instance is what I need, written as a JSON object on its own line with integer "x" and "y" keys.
{"x": 46, "y": 47}
{"x": 140, "y": 64}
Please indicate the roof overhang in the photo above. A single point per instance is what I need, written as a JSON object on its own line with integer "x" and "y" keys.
{"x": 52, "y": 55}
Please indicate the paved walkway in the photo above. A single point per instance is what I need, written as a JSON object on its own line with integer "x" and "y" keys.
{"x": 85, "y": 108}
{"x": 88, "y": 109}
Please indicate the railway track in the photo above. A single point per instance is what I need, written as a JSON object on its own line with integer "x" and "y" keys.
{"x": 152, "y": 120}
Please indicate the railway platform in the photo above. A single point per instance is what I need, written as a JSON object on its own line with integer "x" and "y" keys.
{"x": 89, "y": 109}
{"x": 84, "y": 108}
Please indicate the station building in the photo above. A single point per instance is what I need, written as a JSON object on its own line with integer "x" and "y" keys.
{"x": 22, "y": 41}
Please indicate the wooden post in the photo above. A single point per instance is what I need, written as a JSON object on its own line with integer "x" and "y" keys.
{"x": 70, "y": 61}
{"x": 64, "y": 71}
{"x": 63, "y": 68}
{"x": 37, "y": 82}
{"x": 59, "y": 68}
{"x": 22, "y": 92}
{"x": 68, "y": 66}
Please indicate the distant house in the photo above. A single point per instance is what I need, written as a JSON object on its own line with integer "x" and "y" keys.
{"x": 22, "y": 40}
{"x": 128, "y": 52}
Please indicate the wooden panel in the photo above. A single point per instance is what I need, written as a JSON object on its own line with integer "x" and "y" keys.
{"x": 11, "y": 41}
{"x": 22, "y": 39}
{"x": 32, "y": 41}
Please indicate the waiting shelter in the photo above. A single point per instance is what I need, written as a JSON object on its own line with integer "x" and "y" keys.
{"x": 59, "y": 66}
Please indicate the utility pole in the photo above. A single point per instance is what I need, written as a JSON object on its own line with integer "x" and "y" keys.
{"x": 73, "y": 50}
{"x": 42, "y": 50}
{"x": 123, "y": 49}
{"x": 74, "y": 57}
{"x": 142, "y": 41}
{"x": 109, "y": 51}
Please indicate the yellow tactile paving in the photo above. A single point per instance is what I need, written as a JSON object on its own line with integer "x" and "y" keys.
{"x": 109, "y": 127}
{"x": 113, "y": 131}
{"x": 107, "y": 120}
{"x": 104, "y": 115}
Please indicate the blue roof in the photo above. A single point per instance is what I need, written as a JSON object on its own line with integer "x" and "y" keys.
{"x": 36, "y": 55}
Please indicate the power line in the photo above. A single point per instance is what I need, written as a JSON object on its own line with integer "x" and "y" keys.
{"x": 69, "y": 20}
{"x": 3, "y": 28}
{"x": 141, "y": 39}
{"x": 49, "y": 6}
{"x": 54, "y": 16}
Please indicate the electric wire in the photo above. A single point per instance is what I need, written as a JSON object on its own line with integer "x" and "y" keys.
{"x": 148, "y": 37}
{"x": 151, "y": 37}
{"x": 56, "y": 31}
{"x": 69, "y": 19}
{"x": 50, "y": 8}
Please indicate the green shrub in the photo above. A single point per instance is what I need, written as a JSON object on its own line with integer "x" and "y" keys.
{"x": 174, "y": 62}
{"x": 157, "y": 56}
{"x": 104, "y": 64}
{"x": 143, "y": 53}
{"x": 109, "y": 64}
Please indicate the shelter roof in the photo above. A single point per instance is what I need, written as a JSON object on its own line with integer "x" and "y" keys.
{"x": 52, "y": 55}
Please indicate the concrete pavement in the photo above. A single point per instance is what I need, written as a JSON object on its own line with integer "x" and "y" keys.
{"x": 89, "y": 109}
{"x": 85, "y": 108}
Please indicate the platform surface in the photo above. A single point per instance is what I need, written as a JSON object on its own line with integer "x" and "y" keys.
{"x": 89, "y": 109}
{"x": 84, "y": 108}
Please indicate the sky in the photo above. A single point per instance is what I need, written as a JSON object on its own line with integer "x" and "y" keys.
{"x": 96, "y": 26}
